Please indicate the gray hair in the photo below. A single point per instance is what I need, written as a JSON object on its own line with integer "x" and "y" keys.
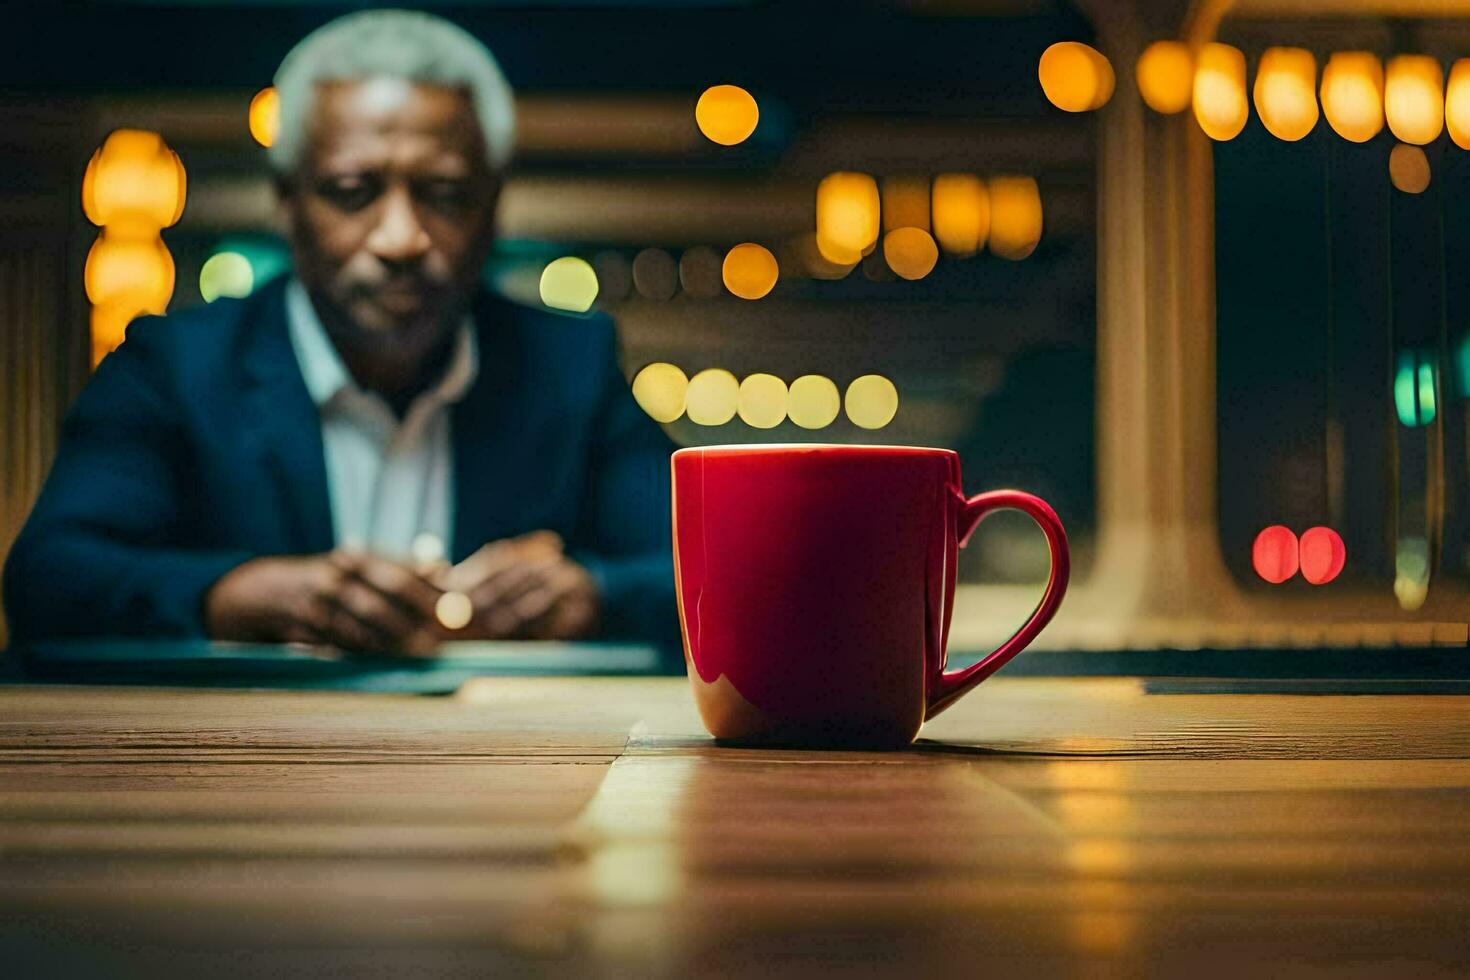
{"x": 401, "y": 44}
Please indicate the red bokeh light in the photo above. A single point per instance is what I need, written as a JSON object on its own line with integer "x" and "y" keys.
{"x": 1274, "y": 554}
{"x": 1322, "y": 555}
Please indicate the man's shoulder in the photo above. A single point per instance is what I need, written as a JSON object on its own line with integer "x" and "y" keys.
{"x": 202, "y": 334}
{"x": 541, "y": 329}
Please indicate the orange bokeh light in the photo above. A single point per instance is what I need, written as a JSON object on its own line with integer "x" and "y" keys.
{"x": 1322, "y": 555}
{"x": 1274, "y": 554}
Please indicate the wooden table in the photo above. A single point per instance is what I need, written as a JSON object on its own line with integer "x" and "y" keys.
{"x": 586, "y": 826}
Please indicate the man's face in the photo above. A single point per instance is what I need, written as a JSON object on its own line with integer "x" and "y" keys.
{"x": 391, "y": 211}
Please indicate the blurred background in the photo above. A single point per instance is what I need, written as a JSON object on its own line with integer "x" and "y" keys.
{"x": 1190, "y": 271}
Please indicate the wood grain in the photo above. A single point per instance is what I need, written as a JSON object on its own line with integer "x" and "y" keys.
{"x": 586, "y": 826}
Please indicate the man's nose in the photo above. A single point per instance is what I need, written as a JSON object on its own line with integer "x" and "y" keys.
{"x": 398, "y": 235}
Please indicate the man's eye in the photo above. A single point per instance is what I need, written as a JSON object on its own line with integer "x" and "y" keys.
{"x": 446, "y": 193}
{"x": 349, "y": 195}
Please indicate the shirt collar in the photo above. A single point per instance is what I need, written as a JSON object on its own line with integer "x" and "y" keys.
{"x": 325, "y": 374}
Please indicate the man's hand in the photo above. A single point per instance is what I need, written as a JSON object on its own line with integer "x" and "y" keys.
{"x": 348, "y": 599}
{"x": 526, "y": 588}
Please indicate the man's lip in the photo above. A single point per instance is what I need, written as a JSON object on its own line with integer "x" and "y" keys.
{"x": 400, "y": 299}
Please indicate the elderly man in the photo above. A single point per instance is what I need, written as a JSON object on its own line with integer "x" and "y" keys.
{"x": 289, "y": 467}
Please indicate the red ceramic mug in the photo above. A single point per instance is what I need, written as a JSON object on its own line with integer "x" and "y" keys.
{"x": 815, "y": 586}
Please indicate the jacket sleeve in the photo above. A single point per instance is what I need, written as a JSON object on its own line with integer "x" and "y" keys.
{"x": 101, "y": 553}
{"x": 625, "y": 527}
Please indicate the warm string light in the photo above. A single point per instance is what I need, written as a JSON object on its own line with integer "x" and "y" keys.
{"x": 1220, "y": 104}
{"x": 1352, "y": 95}
{"x": 1457, "y": 104}
{"x": 715, "y": 397}
{"x": 1165, "y": 73}
{"x": 1413, "y": 98}
{"x": 1075, "y": 77}
{"x": 1286, "y": 92}
{"x": 264, "y": 116}
{"x": 726, "y": 114}
{"x": 569, "y": 283}
{"x": 847, "y": 216}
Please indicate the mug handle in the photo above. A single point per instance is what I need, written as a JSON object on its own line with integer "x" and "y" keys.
{"x": 950, "y": 685}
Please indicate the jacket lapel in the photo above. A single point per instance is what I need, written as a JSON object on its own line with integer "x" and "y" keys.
{"x": 283, "y": 427}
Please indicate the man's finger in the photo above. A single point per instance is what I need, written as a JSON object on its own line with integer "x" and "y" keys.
{"x": 401, "y": 585}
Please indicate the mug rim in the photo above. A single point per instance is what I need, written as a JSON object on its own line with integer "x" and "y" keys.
{"x": 749, "y": 447}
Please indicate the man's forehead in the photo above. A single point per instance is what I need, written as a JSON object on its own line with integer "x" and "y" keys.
{"x": 350, "y": 115}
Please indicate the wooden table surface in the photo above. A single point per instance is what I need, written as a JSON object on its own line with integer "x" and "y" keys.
{"x": 586, "y": 826}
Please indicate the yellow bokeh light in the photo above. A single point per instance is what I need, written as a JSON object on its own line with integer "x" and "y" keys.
{"x": 226, "y": 274}
{"x": 1286, "y": 92}
{"x": 1220, "y": 103}
{"x": 660, "y": 390}
{"x": 961, "y": 210}
{"x": 762, "y": 401}
{"x": 1165, "y": 73}
{"x": 1015, "y": 217}
{"x": 1457, "y": 103}
{"x": 750, "y": 271}
{"x": 265, "y": 116}
{"x": 713, "y": 397}
{"x": 1408, "y": 169}
{"x": 727, "y": 114}
{"x": 1075, "y": 77}
{"x": 1352, "y": 95}
{"x": 569, "y": 283}
{"x": 871, "y": 401}
{"x": 847, "y": 216}
{"x": 910, "y": 252}
{"x": 905, "y": 203}
{"x": 135, "y": 270}
{"x": 1413, "y": 98}
{"x": 134, "y": 180}
{"x": 813, "y": 401}
{"x": 109, "y": 326}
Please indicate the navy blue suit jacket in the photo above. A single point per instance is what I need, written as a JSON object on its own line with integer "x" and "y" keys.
{"x": 196, "y": 447}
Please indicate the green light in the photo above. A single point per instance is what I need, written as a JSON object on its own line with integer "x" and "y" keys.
{"x": 1413, "y": 389}
{"x": 1426, "y": 393}
{"x": 1403, "y": 389}
{"x": 226, "y": 274}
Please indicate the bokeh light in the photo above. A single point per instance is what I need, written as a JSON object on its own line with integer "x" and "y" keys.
{"x": 569, "y": 283}
{"x": 109, "y": 326}
{"x": 713, "y": 397}
{"x": 727, "y": 114}
{"x": 1411, "y": 572}
{"x": 1015, "y": 217}
{"x": 660, "y": 390}
{"x": 655, "y": 275}
{"x": 134, "y": 180}
{"x": 750, "y": 271}
{"x": 1286, "y": 92}
{"x": 614, "y": 277}
{"x": 805, "y": 251}
{"x": 1322, "y": 555}
{"x": 1413, "y": 389}
{"x": 871, "y": 401}
{"x": 813, "y": 401}
{"x": 226, "y": 274}
{"x": 1274, "y": 554}
{"x": 1457, "y": 103}
{"x": 1408, "y": 169}
{"x": 122, "y": 268}
{"x": 847, "y": 216}
{"x": 1352, "y": 94}
{"x": 961, "y": 210}
{"x": 1165, "y": 73}
{"x": 910, "y": 252}
{"x": 265, "y": 116}
{"x": 905, "y": 202}
{"x": 699, "y": 272}
{"x": 1220, "y": 103}
{"x": 1075, "y": 77}
{"x": 762, "y": 401}
{"x": 1413, "y": 98}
